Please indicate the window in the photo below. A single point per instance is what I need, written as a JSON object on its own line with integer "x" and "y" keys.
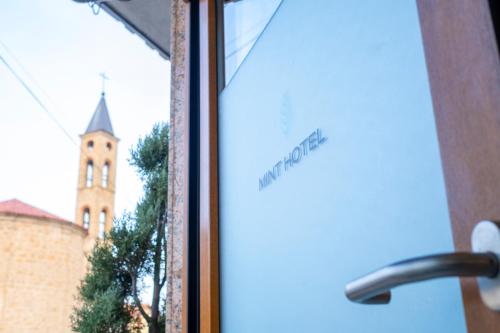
{"x": 105, "y": 175}
{"x": 90, "y": 174}
{"x": 102, "y": 223}
{"x": 108, "y": 146}
{"x": 90, "y": 145}
{"x": 86, "y": 218}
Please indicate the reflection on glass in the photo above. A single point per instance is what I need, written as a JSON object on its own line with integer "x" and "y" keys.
{"x": 244, "y": 21}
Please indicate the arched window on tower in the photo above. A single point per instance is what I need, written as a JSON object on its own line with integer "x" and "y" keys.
{"x": 86, "y": 218}
{"x": 90, "y": 173}
{"x": 90, "y": 145}
{"x": 102, "y": 223}
{"x": 105, "y": 175}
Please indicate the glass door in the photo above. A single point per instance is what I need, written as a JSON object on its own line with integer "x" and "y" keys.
{"x": 329, "y": 167}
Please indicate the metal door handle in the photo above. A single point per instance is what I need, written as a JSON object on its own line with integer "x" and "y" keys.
{"x": 484, "y": 263}
{"x": 375, "y": 287}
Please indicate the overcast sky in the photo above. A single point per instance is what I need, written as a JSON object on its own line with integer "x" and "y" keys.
{"x": 64, "y": 47}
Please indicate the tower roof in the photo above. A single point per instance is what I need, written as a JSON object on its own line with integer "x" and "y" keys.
{"x": 100, "y": 120}
{"x": 18, "y": 207}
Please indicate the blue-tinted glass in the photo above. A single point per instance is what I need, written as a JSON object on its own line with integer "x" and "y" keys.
{"x": 244, "y": 21}
{"x": 368, "y": 192}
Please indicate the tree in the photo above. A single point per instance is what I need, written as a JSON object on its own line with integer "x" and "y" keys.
{"x": 133, "y": 251}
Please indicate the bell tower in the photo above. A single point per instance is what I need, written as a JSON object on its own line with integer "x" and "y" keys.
{"x": 97, "y": 174}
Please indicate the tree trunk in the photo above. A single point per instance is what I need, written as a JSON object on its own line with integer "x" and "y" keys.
{"x": 154, "y": 327}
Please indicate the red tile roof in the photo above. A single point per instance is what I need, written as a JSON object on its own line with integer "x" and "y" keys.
{"x": 18, "y": 207}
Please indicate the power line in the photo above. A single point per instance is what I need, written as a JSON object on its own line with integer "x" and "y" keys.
{"x": 27, "y": 73}
{"x": 35, "y": 97}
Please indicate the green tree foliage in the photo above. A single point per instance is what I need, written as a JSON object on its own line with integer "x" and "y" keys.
{"x": 134, "y": 250}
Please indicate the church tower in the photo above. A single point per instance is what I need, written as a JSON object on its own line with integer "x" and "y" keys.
{"x": 97, "y": 174}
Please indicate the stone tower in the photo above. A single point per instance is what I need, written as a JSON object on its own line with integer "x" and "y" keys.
{"x": 97, "y": 175}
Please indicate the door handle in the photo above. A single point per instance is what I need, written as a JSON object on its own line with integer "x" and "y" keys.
{"x": 375, "y": 288}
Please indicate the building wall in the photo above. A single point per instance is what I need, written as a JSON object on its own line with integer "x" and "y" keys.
{"x": 177, "y": 169}
{"x": 97, "y": 197}
{"x": 41, "y": 265}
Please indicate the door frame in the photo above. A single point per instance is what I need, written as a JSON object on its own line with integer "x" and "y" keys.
{"x": 202, "y": 256}
{"x": 210, "y": 14}
{"x": 464, "y": 72}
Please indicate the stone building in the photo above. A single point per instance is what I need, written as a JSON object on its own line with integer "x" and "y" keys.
{"x": 42, "y": 256}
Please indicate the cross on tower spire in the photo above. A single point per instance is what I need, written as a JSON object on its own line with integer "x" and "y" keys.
{"x": 104, "y": 78}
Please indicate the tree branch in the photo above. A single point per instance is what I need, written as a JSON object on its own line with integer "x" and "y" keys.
{"x": 156, "y": 269}
{"x": 163, "y": 281}
{"x": 136, "y": 298}
{"x": 165, "y": 245}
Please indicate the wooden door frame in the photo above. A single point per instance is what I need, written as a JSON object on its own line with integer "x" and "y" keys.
{"x": 464, "y": 73}
{"x": 209, "y": 181}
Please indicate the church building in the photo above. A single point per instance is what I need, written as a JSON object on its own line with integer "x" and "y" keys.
{"x": 43, "y": 256}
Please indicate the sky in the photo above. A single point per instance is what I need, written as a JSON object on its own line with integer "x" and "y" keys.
{"x": 59, "y": 47}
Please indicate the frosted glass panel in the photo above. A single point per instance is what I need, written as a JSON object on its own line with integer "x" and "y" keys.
{"x": 329, "y": 169}
{"x": 244, "y": 21}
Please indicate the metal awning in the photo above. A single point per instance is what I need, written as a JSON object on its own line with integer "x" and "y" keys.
{"x": 150, "y": 19}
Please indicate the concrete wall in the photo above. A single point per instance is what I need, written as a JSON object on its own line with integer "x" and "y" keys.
{"x": 41, "y": 265}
